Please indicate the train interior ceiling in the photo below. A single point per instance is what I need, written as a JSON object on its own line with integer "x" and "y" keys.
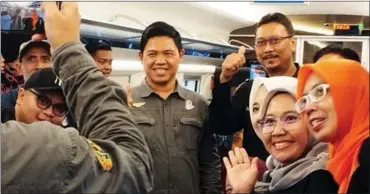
{"x": 211, "y": 30}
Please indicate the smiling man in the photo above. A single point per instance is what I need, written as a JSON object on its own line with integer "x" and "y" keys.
{"x": 101, "y": 51}
{"x": 274, "y": 46}
{"x": 173, "y": 119}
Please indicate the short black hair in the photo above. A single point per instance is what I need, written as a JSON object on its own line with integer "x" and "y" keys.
{"x": 346, "y": 53}
{"x": 277, "y": 18}
{"x": 94, "y": 46}
{"x": 160, "y": 29}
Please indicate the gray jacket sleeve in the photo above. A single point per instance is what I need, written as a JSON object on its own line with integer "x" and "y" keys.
{"x": 44, "y": 158}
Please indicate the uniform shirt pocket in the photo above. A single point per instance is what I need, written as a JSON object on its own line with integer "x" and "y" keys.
{"x": 189, "y": 132}
{"x": 144, "y": 121}
{"x": 147, "y": 127}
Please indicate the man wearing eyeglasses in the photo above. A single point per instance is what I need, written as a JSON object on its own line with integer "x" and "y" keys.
{"x": 40, "y": 99}
{"x": 274, "y": 46}
{"x": 101, "y": 52}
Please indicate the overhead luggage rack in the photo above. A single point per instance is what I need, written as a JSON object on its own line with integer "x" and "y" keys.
{"x": 93, "y": 29}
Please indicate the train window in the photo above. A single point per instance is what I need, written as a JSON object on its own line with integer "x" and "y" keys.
{"x": 192, "y": 84}
{"x": 256, "y": 71}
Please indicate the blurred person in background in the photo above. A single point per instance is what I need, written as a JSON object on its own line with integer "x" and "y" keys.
{"x": 6, "y": 20}
{"x": 336, "y": 52}
{"x": 17, "y": 20}
{"x": 174, "y": 119}
{"x": 40, "y": 99}
{"x": 34, "y": 24}
{"x": 334, "y": 100}
{"x": 297, "y": 162}
{"x": 101, "y": 51}
{"x": 275, "y": 46}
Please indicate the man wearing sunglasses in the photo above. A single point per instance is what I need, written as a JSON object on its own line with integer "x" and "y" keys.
{"x": 40, "y": 99}
{"x": 274, "y": 46}
{"x": 101, "y": 51}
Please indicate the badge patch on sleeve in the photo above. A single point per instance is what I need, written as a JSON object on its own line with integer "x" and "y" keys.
{"x": 104, "y": 159}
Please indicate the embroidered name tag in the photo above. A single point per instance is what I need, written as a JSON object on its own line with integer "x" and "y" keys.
{"x": 103, "y": 158}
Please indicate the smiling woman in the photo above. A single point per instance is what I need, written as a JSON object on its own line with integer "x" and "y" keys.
{"x": 337, "y": 110}
{"x": 297, "y": 160}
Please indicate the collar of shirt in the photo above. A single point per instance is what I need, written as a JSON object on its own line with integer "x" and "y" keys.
{"x": 296, "y": 72}
{"x": 145, "y": 90}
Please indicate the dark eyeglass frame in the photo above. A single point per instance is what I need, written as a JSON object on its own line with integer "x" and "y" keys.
{"x": 310, "y": 99}
{"x": 265, "y": 41}
{"x": 39, "y": 96}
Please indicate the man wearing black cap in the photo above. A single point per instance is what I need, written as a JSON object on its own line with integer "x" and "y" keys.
{"x": 40, "y": 99}
{"x": 101, "y": 52}
{"x": 32, "y": 56}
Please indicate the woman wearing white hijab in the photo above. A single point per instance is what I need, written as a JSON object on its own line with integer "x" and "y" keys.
{"x": 297, "y": 162}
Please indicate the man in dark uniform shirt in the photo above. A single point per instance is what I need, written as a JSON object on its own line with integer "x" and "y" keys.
{"x": 275, "y": 46}
{"x": 173, "y": 119}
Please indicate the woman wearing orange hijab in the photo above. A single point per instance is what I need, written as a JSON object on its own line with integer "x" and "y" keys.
{"x": 334, "y": 98}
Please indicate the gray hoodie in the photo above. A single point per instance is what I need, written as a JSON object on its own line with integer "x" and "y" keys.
{"x": 107, "y": 154}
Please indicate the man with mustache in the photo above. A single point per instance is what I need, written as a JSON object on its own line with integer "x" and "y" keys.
{"x": 274, "y": 46}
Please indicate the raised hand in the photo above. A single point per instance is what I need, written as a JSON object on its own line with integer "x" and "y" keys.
{"x": 61, "y": 26}
{"x": 242, "y": 172}
{"x": 232, "y": 64}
